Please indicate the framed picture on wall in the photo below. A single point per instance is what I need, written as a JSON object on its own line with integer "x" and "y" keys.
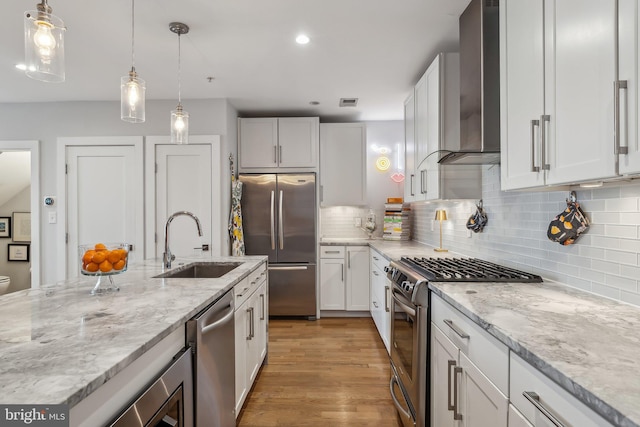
{"x": 5, "y": 226}
{"x": 21, "y": 227}
{"x": 18, "y": 252}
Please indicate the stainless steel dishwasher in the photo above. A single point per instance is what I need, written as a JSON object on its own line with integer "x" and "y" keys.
{"x": 211, "y": 336}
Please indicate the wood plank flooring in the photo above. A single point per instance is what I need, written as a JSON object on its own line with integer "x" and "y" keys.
{"x": 329, "y": 372}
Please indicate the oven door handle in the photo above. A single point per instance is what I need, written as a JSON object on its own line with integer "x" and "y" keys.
{"x": 410, "y": 311}
{"x": 397, "y": 404}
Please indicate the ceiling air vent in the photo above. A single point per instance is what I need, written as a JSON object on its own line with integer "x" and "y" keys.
{"x": 348, "y": 102}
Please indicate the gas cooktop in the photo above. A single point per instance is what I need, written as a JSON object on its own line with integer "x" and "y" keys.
{"x": 466, "y": 270}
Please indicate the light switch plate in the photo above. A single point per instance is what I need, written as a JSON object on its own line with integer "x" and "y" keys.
{"x": 357, "y": 221}
{"x": 53, "y": 217}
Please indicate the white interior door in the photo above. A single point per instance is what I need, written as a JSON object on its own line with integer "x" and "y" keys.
{"x": 104, "y": 199}
{"x": 183, "y": 183}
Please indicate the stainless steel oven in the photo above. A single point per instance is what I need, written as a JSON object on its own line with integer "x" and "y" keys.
{"x": 409, "y": 341}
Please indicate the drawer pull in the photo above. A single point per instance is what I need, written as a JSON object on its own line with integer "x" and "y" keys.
{"x": 462, "y": 334}
{"x": 331, "y": 252}
{"x": 375, "y": 304}
{"x": 534, "y": 398}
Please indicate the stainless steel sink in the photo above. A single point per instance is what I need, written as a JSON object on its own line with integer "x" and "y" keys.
{"x": 199, "y": 270}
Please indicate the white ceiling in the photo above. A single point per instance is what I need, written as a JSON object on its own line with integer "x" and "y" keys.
{"x": 373, "y": 50}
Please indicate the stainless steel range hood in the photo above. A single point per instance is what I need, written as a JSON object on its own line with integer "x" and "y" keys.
{"x": 479, "y": 86}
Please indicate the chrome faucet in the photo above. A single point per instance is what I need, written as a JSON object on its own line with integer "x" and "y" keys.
{"x": 167, "y": 257}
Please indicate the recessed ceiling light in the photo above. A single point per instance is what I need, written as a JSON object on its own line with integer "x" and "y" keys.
{"x": 302, "y": 39}
{"x": 21, "y": 67}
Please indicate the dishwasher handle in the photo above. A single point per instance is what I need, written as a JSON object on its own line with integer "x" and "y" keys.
{"x": 224, "y": 319}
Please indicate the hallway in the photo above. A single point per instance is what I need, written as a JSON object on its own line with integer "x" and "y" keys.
{"x": 331, "y": 372}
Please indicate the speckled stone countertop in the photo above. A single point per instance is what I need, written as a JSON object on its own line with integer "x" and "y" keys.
{"x": 589, "y": 345}
{"x": 58, "y": 343}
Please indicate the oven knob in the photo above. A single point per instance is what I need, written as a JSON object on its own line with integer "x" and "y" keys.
{"x": 407, "y": 286}
{"x": 387, "y": 268}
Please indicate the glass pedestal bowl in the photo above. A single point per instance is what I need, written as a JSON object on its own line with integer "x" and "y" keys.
{"x": 103, "y": 260}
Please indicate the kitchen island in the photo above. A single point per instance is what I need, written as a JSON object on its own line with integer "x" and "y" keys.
{"x": 586, "y": 344}
{"x": 59, "y": 344}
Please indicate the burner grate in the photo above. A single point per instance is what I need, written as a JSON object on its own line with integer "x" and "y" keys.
{"x": 467, "y": 270}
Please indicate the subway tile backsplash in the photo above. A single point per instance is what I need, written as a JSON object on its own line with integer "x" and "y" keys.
{"x": 605, "y": 260}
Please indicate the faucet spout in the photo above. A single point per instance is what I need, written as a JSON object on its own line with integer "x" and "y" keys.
{"x": 167, "y": 257}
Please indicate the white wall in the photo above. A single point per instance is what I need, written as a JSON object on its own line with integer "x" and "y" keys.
{"x": 605, "y": 260}
{"x": 18, "y": 271}
{"x": 338, "y": 221}
{"x": 48, "y": 121}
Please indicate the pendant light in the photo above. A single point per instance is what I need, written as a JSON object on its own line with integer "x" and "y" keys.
{"x": 132, "y": 88}
{"x": 179, "y": 117}
{"x": 44, "y": 44}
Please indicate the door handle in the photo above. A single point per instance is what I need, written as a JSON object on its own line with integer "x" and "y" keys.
{"x": 386, "y": 298}
{"x": 397, "y": 404}
{"x": 411, "y": 183}
{"x": 619, "y": 85}
{"x": 217, "y": 323}
{"x": 534, "y": 123}
{"x": 450, "y": 403}
{"x": 544, "y": 120}
{"x": 456, "y": 415}
{"x": 280, "y": 221}
{"x": 273, "y": 221}
{"x": 262, "y": 313}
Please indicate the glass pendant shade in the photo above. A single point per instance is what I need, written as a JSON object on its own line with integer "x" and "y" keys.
{"x": 44, "y": 45}
{"x": 132, "y": 98}
{"x": 179, "y": 126}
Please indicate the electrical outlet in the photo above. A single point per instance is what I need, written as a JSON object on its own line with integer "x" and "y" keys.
{"x": 357, "y": 221}
{"x": 432, "y": 221}
{"x": 468, "y": 233}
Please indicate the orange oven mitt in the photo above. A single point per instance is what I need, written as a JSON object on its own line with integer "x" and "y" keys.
{"x": 568, "y": 225}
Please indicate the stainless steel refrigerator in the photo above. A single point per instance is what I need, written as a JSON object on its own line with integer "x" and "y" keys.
{"x": 279, "y": 220}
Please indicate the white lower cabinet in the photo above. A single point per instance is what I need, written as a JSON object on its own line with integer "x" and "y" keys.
{"x": 516, "y": 419}
{"x": 469, "y": 372}
{"x": 251, "y": 331}
{"x": 380, "y": 297}
{"x": 344, "y": 278}
{"x": 540, "y": 400}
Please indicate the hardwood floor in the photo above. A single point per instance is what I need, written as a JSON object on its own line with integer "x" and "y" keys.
{"x": 331, "y": 372}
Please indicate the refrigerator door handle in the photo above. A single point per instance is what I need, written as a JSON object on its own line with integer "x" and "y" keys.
{"x": 280, "y": 228}
{"x": 293, "y": 267}
{"x": 273, "y": 222}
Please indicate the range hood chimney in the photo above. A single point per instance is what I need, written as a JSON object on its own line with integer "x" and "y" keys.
{"x": 479, "y": 86}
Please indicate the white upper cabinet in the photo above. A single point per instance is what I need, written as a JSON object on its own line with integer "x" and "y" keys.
{"x": 558, "y": 64}
{"x": 629, "y": 75}
{"x": 436, "y": 120}
{"x": 342, "y": 164}
{"x": 272, "y": 144}
{"x": 409, "y": 149}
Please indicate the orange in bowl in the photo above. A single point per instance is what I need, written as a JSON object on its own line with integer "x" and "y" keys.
{"x": 101, "y": 258}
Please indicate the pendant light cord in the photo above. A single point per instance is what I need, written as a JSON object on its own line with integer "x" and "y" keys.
{"x": 179, "y": 80}
{"x": 133, "y": 36}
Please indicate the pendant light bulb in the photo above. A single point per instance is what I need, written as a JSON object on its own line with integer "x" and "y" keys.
{"x": 132, "y": 87}
{"x": 179, "y": 117}
{"x": 44, "y": 44}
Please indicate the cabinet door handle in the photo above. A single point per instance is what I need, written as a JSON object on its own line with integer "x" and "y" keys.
{"x": 375, "y": 273}
{"x": 264, "y": 309}
{"x": 349, "y": 259}
{"x": 386, "y": 298}
{"x": 456, "y": 415}
{"x": 375, "y": 257}
{"x": 423, "y": 182}
{"x": 249, "y": 312}
{"x": 332, "y": 252}
{"x": 342, "y": 271}
{"x": 275, "y": 154}
{"x": 450, "y": 402}
{"x": 462, "y": 334}
{"x": 534, "y": 123}
{"x": 375, "y": 304}
{"x": 411, "y": 178}
{"x": 534, "y": 398}
{"x": 619, "y": 148}
{"x": 279, "y": 153}
{"x": 544, "y": 119}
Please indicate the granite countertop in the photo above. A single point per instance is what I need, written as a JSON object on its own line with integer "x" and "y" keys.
{"x": 587, "y": 344}
{"x": 58, "y": 343}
